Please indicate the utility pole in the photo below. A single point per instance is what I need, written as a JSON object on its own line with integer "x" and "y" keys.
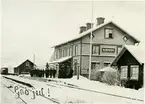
{"x": 90, "y": 56}
{"x": 34, "y": 60}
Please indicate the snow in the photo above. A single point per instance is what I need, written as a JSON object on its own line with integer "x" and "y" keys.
{"x": 109, "y": 69}
{"x": 67, "y": 95}
{"x": 137, "y": 51}
{"x": 98, "y": 86}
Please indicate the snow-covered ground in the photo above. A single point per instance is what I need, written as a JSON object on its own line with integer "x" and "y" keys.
{"x": 102, "y": 87}
{"x": 67, "y": 95}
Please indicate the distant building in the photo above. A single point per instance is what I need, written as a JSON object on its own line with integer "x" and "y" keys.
{"x": 24, "y": 67}
{"x": 4, "y": 70}
{"x": 108, "y": 40}
{"x": 130, "y": 63}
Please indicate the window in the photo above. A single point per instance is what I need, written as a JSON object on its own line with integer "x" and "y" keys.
{"x": 64, "y": 53}
{"x": 76, "y": 50}
{"x": 124, "y": 72}
{"x": 56, "y": 54}
{"x": 125, "y": 38}
{"x": 27, "y": 63}
{"x": 95, "y": 65}
{"x": 70, "y": 51}
{"x": 134, "y": 72}
{"x": 95, "y": 49}
{"x": 106, "y": 64}
{"x": 108, "y": 33}
{"x": 119, "y": 49}
{"x": 60, "y": 53}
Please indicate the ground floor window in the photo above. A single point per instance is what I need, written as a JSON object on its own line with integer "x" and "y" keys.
{"x": 134, "y": 72}
{"x": 106, "y": 64}
{"x": 124, "y": 70}
{"x": 95, "y": 65}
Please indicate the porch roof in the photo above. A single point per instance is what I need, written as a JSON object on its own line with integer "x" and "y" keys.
{"x": 61, "y": 60}
{"x": 107, "y": 69}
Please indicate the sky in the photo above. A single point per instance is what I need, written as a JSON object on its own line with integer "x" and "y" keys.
{"x": 31, "y": 27}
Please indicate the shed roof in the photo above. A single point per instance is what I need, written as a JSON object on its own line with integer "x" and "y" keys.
{"x": 94, "y": 29}
{"x": 138, "y": 52}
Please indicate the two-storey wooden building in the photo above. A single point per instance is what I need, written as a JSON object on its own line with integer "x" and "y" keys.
{"x": 108, "y": 39}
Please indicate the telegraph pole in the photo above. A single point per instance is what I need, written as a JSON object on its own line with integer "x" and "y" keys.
{"x": 34, "y": 60}
{"x": 90, "y": 56}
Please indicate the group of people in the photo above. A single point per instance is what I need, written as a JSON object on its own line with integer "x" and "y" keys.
{"x": 42, "y": 73}
{"x": 50, "y": 73}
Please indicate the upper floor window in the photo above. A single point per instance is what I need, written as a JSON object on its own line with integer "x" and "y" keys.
{"x": 95, "y": 49}
{"x": 108, "y": 33}
{"x": 57, "y": 54}
{"x": 70, "y": 51}
{"x": 66, "y": 52}
{"x": 134, "y": 72}
{"x": 27, "y": 63}
{"x": 119, "y": 49}
{"x": 76, "y": 49}
{"x": 60, "y": 53}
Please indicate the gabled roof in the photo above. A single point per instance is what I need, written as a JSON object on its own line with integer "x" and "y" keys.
{"x": 138, "y": 52}
{"x": 94, "y": 29}
{"x": 25, "y": 61}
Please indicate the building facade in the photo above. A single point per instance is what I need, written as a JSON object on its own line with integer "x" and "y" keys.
{"x": 108, "y": 39}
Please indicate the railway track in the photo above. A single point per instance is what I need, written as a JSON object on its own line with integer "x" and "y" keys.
{"x": 22, "y": 85}
{"x": 78, "y": 88}
{"x": 13, "y": 92}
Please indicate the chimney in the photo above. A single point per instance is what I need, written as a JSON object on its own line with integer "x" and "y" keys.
{"x": 100, "y": 20}
{"x": 89, "y": 25}
{"x": 82, "y": 29}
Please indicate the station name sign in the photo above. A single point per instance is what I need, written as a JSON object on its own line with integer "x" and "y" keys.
{"x": 108, "y": 50}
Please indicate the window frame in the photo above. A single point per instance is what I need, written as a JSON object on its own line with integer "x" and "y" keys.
{"x": 96, "y": 62}
{"x": 95, "y": 48}
{"x": 122, "y": 77}
{"x": 131, "y": 72}
{"x": 108, "y": 34}
{"x": 106, "y": 63}
{"x": 76, "y": 50}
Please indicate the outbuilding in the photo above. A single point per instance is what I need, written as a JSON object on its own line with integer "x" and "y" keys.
{"x": 130, "y": 63}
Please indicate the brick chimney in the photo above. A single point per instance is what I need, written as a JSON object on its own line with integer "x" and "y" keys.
{"x": 82, "y": 29}
{"x": 100, "y": 20}
{"x": 89, "y": 25}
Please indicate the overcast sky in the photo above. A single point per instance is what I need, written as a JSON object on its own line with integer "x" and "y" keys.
{"x": 34, "y": 26}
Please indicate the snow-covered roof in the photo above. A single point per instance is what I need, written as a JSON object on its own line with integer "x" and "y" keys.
{"x": 21, "y": 62}
{"x": 107, "y": 69}
{"x": 94, "y": 29}
{"x": 61, "y": 60}
{"x": 137, "y": 51}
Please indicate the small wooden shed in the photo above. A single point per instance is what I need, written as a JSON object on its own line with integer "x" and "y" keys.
{"x": 130, "y": 63}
